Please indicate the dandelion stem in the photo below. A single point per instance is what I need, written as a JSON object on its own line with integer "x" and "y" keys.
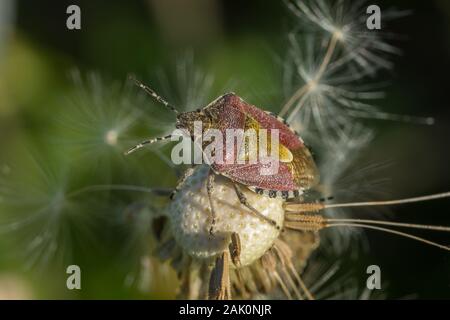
{"x": 313, "y": 82}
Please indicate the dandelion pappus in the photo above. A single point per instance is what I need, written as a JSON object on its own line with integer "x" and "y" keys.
{"x": 296, "y": 172}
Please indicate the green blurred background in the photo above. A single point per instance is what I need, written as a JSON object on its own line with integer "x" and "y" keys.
{"x": 48, "y": 125}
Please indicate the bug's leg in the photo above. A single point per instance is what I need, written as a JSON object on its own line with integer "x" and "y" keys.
{"x": 235, "y": 249}
{"x": 235, "y": 253}
{"x": 219, "y": 281}
{"x": 189, "y": 171}
{"x": 145, "y": 142}
{"x": 244, "y": 202}
{"x": 209, "y": 190}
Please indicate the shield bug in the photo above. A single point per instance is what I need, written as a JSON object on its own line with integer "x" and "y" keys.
{"x": 296, "y": 172}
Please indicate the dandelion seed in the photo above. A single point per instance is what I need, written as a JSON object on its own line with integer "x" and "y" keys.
{"x": 345, "y": 178}
{"x": 98, "y": 118}
{"x": 38, "y": 212}
{"x": 191, "y": 86}
{"x": 329, "y": 95}
{"x": 345, "y": 21}
{"x": 111, "y": 137}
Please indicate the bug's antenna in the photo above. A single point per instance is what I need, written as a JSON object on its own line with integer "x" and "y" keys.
{"x": 153, "y": 94}
{"x": 144, "y": 143}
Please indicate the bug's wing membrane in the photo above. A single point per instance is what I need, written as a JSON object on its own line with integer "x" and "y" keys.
{"x": 303, "y": 168}
{"x": 301, "y": 173}
{"x": 285, "y": 154}
{"x": 249, "y": 149}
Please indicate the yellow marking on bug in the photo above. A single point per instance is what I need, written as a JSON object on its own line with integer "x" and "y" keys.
{"x": 251, "y": 148}
{"x": 285, "y": 154}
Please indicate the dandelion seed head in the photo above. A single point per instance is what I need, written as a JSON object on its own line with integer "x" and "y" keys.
{"x": 190, "y": 219}
{"x": 270, "y": 261}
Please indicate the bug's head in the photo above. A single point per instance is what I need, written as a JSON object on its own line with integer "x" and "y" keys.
{"x": 187, "y": 120}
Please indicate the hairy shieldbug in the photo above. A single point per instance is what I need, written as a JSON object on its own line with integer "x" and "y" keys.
{"x": 297, "y": 171}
